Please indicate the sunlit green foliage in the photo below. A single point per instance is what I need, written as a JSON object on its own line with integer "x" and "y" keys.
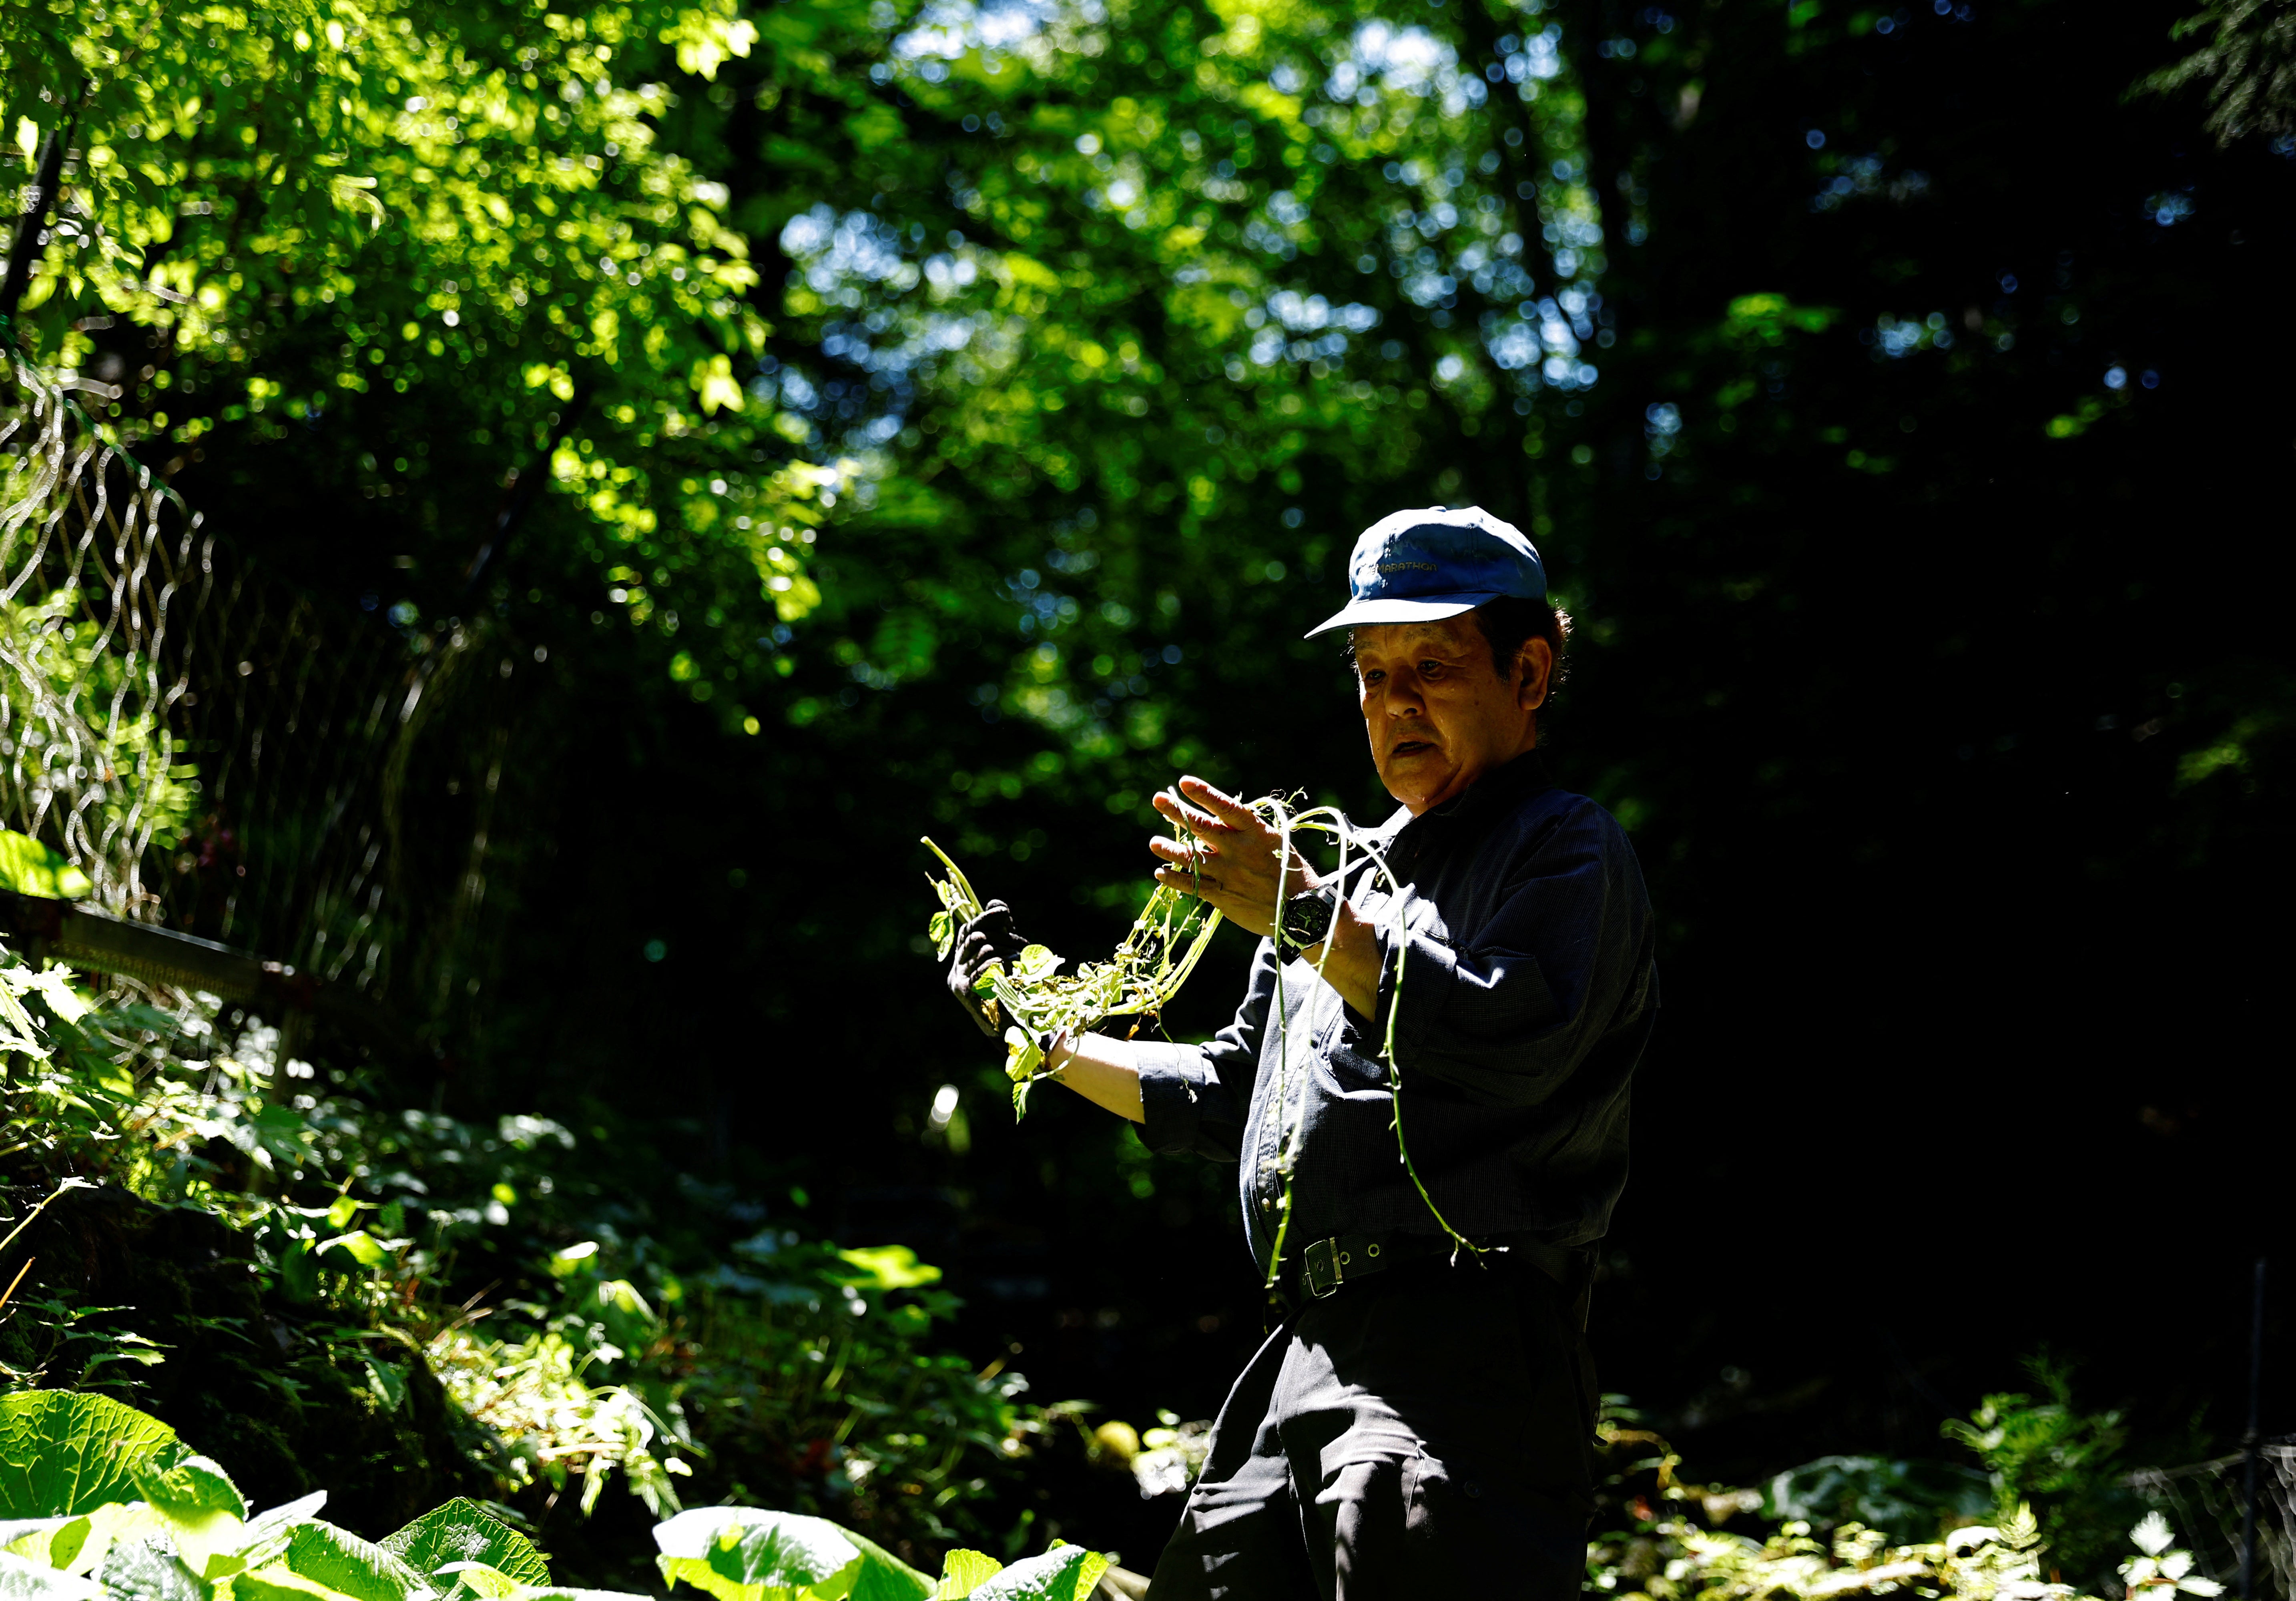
{"x": 2247, "y": 63}
{"x": 86, "y": 752}
{"x": 303, "y": 208}
{"x": 308, "y": 211}
{"x": 99, "y": 1502}
{"x": 1851, "y": 1526}
{"x": 784, "y": 1365}
{"x": 2068, "y": 1465}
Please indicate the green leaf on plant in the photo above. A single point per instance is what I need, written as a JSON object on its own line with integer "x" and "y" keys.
{"x": 62, "y": 1454}
{"x": 28, "y": 868}
{"x": 740, "y": 1554}
{"x": 265, "y": 1537}
{"x": 350, "y": 1565}
{"x": 1035, "y": 962}
{"x": 462, "y": 1530}
{"x": 360, "y": 1246}
{"x": 1063, "y": 1573}
{"x": 961, "y": 1572}
{"x": 24, "y": 1581}
{"x": 203, "y": 1510}
{"x": 151, "y": 1570}
{"x": 51, "y": 1540}
{"x": 195, "y": 1491}
{"x": 889, "y": 1268}
{"x": 279, "y": 1584}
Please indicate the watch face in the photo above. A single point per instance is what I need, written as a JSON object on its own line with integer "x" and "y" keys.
{"x": 1308, "y": 918}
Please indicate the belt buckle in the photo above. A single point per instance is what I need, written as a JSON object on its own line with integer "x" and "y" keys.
{"x": 1321, "y": 1272}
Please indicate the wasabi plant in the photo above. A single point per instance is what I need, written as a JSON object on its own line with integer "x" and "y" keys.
{"x": 1145, "y": 975}
{"x": 1139, "y": 981}
{"x": 1387, "y": 899}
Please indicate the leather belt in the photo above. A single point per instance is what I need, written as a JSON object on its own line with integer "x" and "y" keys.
{"x": 1327, "y": 1264}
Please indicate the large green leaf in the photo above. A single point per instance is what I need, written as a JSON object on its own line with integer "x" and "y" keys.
{"x": 885, "y": 1577}
{"x": 288, "y": 1513}
{"x": 279, "y": 1584}
{"x": 51, "y": 1540}
{"x": 963, "y": 1572}
{"x": 462, "y": 1530}
{"x": 492, "y": 1584}
{"x": 205, "y": 1508}
{"x": 23, "y": 1580}
{"x": 742, "y": 1554}
{"x": 81, "y": 1546}
{"x": 28, "y": 868}
{"x": 351, "y": 1566}
{"x": 1063, "y": 1573}
{"x": 151, "y": 1570}
{"x": 61, "y": 1454}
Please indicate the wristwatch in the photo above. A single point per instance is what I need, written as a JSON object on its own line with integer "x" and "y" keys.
{"x": 1306, "y": 919}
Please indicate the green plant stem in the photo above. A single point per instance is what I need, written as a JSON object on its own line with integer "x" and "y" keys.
{"x": 73, "y": 1183}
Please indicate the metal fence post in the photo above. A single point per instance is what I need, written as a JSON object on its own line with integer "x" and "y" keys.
{"x": 2251, "y": 1442}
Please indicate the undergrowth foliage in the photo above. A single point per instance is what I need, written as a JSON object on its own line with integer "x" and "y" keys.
{"x": 99, "y": 1502}
{"x": 771, "y": 1364}
{"x": 1664, "y": 1537}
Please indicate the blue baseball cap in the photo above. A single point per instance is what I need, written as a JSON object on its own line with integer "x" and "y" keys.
{"x": 1419, "y": 566}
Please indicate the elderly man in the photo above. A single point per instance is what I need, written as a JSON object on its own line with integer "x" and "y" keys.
{"x": 1417, "y": 1424}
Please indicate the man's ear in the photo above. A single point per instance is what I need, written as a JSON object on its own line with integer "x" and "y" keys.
{"x": 1536, "y": 669}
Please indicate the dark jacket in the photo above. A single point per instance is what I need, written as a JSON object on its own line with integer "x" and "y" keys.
{"x": 1526, "y": 996}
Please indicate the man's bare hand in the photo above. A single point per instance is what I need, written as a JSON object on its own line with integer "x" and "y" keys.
{"x": 1231, "y": 855}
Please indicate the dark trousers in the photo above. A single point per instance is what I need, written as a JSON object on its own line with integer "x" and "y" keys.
{"x": 1420, "y": 1433}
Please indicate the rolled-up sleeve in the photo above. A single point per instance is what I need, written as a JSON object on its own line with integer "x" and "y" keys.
{"x": 1196, "y": 1097}
{"x": 1508, "y": 1018}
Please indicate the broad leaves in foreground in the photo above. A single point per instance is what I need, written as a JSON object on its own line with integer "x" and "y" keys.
{"x": 99, "y": 1502}
{"x": 742, "y": 1554}
{"x": 1063, "y": 1573}
{"x": 23, "y": 1580}
{"x": 350, "y": 1566}
{"x": 61, "y": 1455}
{"x": 738, "y": 1554}
{"x": 463, "y": 1532}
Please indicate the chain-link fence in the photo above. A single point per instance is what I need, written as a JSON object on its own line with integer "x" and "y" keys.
{"x": 227, "y": 756}
{"x": 2206, "y": 1503}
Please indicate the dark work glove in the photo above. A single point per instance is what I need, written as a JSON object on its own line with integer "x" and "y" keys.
{"x": 988, "y": 938}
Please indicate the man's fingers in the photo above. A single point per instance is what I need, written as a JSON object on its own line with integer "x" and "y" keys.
{"x": 1181, "y": 878}
{"x": 1189, "y": 817}
{"x": 1230, "y": 810}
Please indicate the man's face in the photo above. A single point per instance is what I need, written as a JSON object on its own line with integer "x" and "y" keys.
{"x": 1437, "y": 716}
